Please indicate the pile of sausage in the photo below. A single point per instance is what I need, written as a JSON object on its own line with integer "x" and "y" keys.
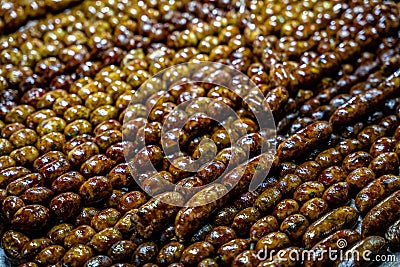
{"x": 71, "y": 124}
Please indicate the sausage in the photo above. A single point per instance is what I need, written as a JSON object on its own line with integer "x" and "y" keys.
{"x": 11, "y": 174}
{"x": 52, "y": 124}
{"x": 125, "y": 225}
{"x": 228, "y": 252}
{"x": 339, "y": 240}
{"x": 5, "y": 147}
{"x": 50, "y": 255}
{"x": 77, "y": 255}
{"x": 107, "y": 125}
{"x": 6, "y": 162}
{"x": 147, "y": 158}
{"x": 85, "y": 216}
{"x": 393, "y": 236}
{"x": 385, "y": 163}
{"x": 382, "y": 145}
{"x": 114, "y": 200}
{"x": 225, "y": 215}
{"x": 97, "y": 165}
{"x": 375, "y": 191}
{"x": 370, "y": 134}
{"x": 262, "y": 227}
{"x": 308, "y": 190}
{"x": 95, "y": 190}
{"x": 65, "y": 205}
{"x": 199, "y": 208}
{"x": 98, "y": 261}
{"x": 54, "y": 169}
{"x": 289, "y": 183}
{"x": 337, "y": 194}
{"x": 244, "y": 219}
{"x": 211, "y": 171}
{"x": 10, "y": 205}
{"x": 25, "y": 155}
{"x": 268, "y": 199}
{"x": 340, "y": 218}
{"x": 294, "y": 226}
{"x": 37, "y": 195}
{"x": 287, "y": 168}
{"x": 31, "y": 217}
{"x": 365, "y": 248}
{"x": 251, "y": 143}
{"x": 76, "y": 141}
{"x": 285, "y": 208}
{"x": 272, "y": 241}
{"x": 356, "y": 107}
{"x": 77, "y": 127}
{"x": 220, "y": 235}
{"x": 80, "y": 235}
{"x": 120, "y": 176}
{"x": 105, "y": 219}
{"x": 108, "y": 138}
{"x": 170, "y": 253}
{"x": 249, "y": 174}
{"x": 348, "y": 146}
{"x": 380, "y": 217}
{"x": 103, "y": 240}
{"x": 201, "y": 234}
{"x": 79, "y": 154}
{"x": 156, "y": 213}
{"x": 314, "y": 208}
{"x": 329, "y": 157}
{"x": 76, "y": 112}
{"x": 332, "y": 175}
{"x": 304, "y": 140}
{"x": 122, "y": 250}
{"x": 196, "y": 252}
{"x": 360, "y": 178}
{"x": 131, "y": 200}
{"x": 33, "y": 120}
{"x": 208, "y": 262}
{"x": 246, "y": 200}
{"x": 70, "y": 181}
{"x": 308, "y": 171}
{"x": 59, "y": 232}
{"x": 34, "y": 246}
{"x": 158, "y": 183}
{"x": 356, "y": 160}
{"x": 9, "y": 129}
{"x": 13, "y": 243}
{"x": 23, "y": 137}
{"x": 145, "y": 253}
{"x": 247, "y": 258}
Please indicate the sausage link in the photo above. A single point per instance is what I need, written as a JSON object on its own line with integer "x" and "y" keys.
{"x": 340, "y": 218}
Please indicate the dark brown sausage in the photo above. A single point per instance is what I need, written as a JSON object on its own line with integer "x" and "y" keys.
{"x": 156, "y": 213}
{"x": 200, "y": 207}
{"x": 375, "y": 191}
{"x": 339, "y": 240}
{"x": 304, "y": 140}
{"x": 362, "y": 250}
{"x": 380, "y": 217}
{"x": 340, "y": 218}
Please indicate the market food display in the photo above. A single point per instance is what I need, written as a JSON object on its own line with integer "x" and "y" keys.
{"x": 330, "y": 75}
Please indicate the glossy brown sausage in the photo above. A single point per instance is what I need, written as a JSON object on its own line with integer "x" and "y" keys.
{"x": 156, "y": 213}
{"x": 340, "y": 218}
{"x": 304, "y": 140}
{"x": 380, "y": 217}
